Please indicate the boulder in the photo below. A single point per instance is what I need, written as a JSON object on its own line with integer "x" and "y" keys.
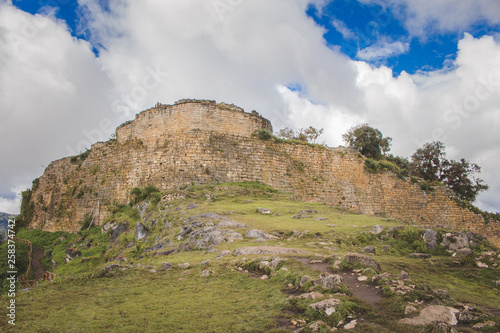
{"x": 107, "y": 227}
{"x": 185, "y": 265}
{"x": 465, "y": 252}
{"x": 377, "y": 229}
{"x": 430, "y": 239}
{"x": 454, "y": 241}
{"x": 434, "y": 314}
{"x": 166, "y": 265}
{"x": 205, "y": 273}
{"x": 304, "y": 280}
{"x": 332, "y": 281}
{"x": 232, "y": 224}
{"x": 203, "y": 238}
{"x": 350, "y": 325}
{"x": 264, "y": 211}
{"x": 404, "y": 275}
{"x": 409, "y": 309}
{"x": 327, "y": 306}
{"x": 141, "y": 232}
{"x": 118, "y": 231}
{"x": 369, "y": 249}
{"x": 363, "y": 260}
{"x": 256, "y": 233}
{"x": 159, "y": 246}
{"x": 223, "y": 254}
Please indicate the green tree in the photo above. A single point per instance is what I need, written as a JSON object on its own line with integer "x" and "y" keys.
{"x": 309, "y": 134}
{"x": 367, "y": 140}
{"x": 458, "y": 175}
{"x": 427, "y": 162}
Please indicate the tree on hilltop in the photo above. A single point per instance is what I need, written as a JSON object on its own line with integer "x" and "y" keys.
{"x": 429, "y": 162}
{"x": 367, "y": 140}
{"x": 309, "y": 134}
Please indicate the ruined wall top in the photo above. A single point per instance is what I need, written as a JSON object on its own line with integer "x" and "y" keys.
{"x": 187, "y": 115}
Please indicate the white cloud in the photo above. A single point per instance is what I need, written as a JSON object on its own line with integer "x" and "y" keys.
{"x": 51, "y": 88}
{"x": 459, "y": 107}
{"x": 423, "y": 18}
{"x": 341, "y": 27}
{"x": 383, "y": 50}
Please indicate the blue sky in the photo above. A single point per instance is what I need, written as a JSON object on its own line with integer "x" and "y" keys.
{"x": 418, "y": 70}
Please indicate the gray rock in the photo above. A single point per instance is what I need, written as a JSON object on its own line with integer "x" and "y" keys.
{"x": 430, "y": 235}
{"x": 141, "y": 232}
{"x": 159, "y": 246}
{"x": 166, "y": 265}
{"x": 256, "y": 233}
{"x": 232, "y": 224}
{"x": 377, "y": 229}
{"x": 328, "y": 306}
{"x": 274, "y": 263}
{"x": 192, "y": 206}
{"x": 107, "y": 227}
{"x": 404, "y": 275}
{"x": 206, "y": 262}
{"x": 203, "y": 238}
{"x": 465, "y": 252}
{"x": 118, "y": 231}
{"x": 497, "y": 283}
{"x": 264, "y": 211}
{"x": 223, "y": 254}
{"x": 363, "y": 260}
{"x": 304, "y": 280}
{"x": 434, "y": 314}
{"x": 205, "y": 273}
{"x": 332, "y": 281}
{"x": 185, "y": 265}
{"x": 409, "y": 309}
{"x": 454, "y": 241}
{"x": 369, "y": 249}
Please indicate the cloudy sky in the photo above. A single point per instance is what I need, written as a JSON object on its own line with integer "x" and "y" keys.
{"x": 420, "y": 71}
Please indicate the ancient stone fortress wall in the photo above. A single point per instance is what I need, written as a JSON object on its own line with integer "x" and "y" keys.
{"x": 186, "y": 115}
{"x": 155, "y": 150}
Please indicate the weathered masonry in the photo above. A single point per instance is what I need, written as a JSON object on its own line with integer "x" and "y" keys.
{"x": 202, "y": 142}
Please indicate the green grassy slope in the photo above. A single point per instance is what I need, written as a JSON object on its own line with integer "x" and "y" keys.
{"x": 142, "y": 296}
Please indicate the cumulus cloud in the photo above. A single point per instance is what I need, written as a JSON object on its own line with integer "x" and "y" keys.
{"x": 459, "y": 107}
{"x": 51, "y": 88}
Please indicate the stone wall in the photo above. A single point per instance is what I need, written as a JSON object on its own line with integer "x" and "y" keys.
{"x": 150, "y": 126}
{"x": 169, "y": 157}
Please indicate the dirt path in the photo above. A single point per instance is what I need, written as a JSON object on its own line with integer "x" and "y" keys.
{"x": 368, "y": 294}
{"x": 36, "y": 265}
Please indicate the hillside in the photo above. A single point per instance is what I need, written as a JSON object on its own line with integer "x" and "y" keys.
{"x": 244, "y": 257}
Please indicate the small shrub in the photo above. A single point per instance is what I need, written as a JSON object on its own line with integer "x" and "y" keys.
{"x": 264, "y": 134}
